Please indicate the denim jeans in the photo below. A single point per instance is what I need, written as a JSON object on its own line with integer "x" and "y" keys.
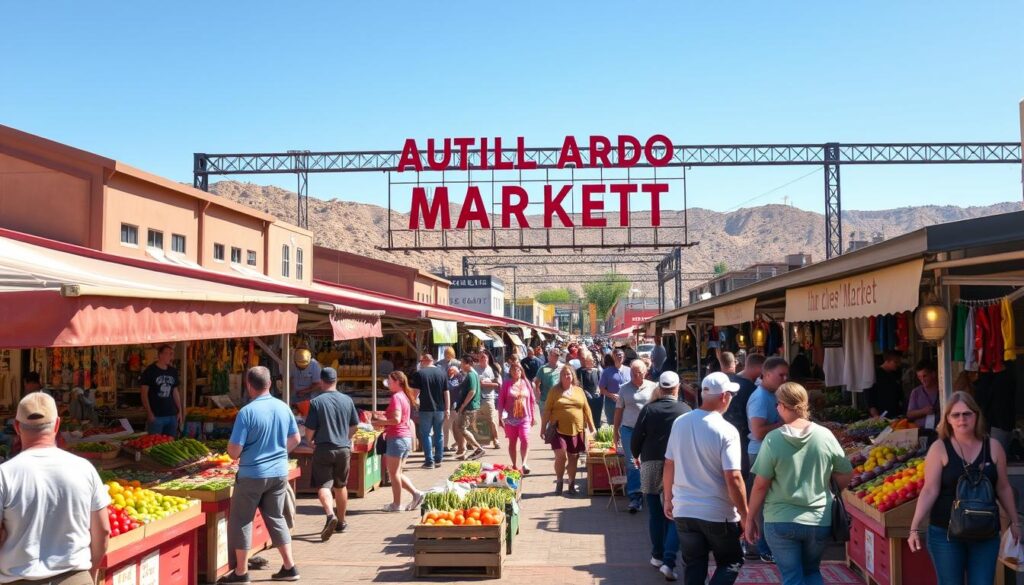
{"x": 762, "y": 542}
{"x": 431, "y": 430}
{"x": 596, "y": 408}
{"x": 664, "y": 537}
{"x": 632, "y": 471}
{"x": 798, "y": 549}
{"x": 609, "y": 410}
{"x": 697, "y": 538}
{"x": 163, "y": 425}
{"x": 953, "y": 558}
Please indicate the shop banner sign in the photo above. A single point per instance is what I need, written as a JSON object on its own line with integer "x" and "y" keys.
{"x": 445, "y": 331}
{"x": 735, "y": 314}
{"x": 881, "y": 292}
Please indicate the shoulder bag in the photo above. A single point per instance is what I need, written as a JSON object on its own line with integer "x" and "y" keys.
{"x": 975, "y": 514}
{"x": 840, "y": 518}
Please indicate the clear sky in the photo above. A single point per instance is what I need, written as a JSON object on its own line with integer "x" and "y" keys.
{"x": 151, "y": 83}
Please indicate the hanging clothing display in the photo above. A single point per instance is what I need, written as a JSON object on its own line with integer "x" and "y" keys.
{"x": 959, "y": 322}
{"x": 858, "y": 356}
{"x": 970, "y": 355}
{"x": 903, "y": 332}
{"x": 833, "y": 365}
{"x": 1010, "y": 349}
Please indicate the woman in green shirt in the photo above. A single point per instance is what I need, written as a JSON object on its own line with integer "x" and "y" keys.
{"x": 792, "y": 472}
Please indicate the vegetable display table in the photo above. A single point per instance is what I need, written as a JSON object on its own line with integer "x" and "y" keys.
{"x": 598, "y": 474}
{"x": 164, "y": 552}
{"x": 459, "y": 551}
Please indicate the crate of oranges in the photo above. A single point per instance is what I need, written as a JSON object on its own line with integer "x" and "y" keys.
{"x": 465, "y": 542}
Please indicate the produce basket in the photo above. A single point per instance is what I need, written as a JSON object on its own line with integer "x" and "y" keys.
{"x": 96, "y": 451}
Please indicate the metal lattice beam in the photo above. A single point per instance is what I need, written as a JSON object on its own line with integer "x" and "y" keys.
{"x": 833, "y": 204}
{"x": 549, "y": 259}
{"x": 693, "y": 156}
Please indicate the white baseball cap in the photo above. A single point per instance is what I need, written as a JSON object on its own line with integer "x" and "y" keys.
{"x": 668, "y": 379}
{"x": 719, "y": 383}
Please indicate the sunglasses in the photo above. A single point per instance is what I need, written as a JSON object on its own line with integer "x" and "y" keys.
{"x": 965, "y": 414}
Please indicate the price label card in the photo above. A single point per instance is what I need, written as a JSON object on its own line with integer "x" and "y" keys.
{"x": 869, "y": 551}
{"x": 149, "y": 569}
{"x": 125, "y": 575}
{"x": 222, "y": 541}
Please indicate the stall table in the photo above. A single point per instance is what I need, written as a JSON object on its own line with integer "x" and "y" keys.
{"x": 878, "y": 545}
{"x": 164, "y": 552}
{"x": 364, "y": 471}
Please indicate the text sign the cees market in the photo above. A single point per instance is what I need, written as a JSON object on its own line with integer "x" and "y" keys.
{"x": 628, "y": 151}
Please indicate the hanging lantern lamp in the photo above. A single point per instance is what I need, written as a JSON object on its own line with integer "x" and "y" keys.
{"x": 932, "y": 321}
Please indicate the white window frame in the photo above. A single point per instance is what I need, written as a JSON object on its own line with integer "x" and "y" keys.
{"x": 149, "y": 236}
{"x": 286, "y": 260}
{"x": 251, "y": 258}
{"x": 217, "y": 246}
{"x": 299, "y": 263}
{"x": 135, "y": 230}
{"x": 233, "y": 250}
{"x": 184, "y": 243}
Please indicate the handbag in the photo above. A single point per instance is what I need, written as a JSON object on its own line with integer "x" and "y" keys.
{"x": 840, "y": 518}
{"x": 550, "y": 433}
{"x": 380, "y": 446}
{"x": 975, "y": 514}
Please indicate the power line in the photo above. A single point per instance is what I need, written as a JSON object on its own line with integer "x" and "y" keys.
{"x": 770, "y": 191}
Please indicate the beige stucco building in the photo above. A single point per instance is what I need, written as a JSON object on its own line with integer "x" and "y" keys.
{"x": 59, "y": 192}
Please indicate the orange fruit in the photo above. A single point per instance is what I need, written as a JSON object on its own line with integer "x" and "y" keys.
{"x": 459, "y": 521}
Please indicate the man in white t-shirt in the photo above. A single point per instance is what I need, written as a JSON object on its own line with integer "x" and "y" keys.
{"x": 54, "y": 527}
{"x": 703, "y": 485}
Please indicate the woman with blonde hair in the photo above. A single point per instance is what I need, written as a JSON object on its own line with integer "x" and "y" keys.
{"x": 963, "y": 449}
{"x": 398, "y": 433}
{"x": 793, "y": 471}
{"x": 566, "y": 408}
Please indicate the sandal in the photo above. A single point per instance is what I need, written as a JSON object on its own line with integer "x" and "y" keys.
{"x": 526, "y": 469}
{"x": 391, "y": 508}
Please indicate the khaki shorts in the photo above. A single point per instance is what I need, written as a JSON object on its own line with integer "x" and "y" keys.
{"x": 489, "y": 412}
{"x": 69, "y": 578}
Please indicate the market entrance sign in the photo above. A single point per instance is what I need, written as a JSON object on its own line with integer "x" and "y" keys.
{"x": 881, "y": 292}
{"x": 432, "y": 213}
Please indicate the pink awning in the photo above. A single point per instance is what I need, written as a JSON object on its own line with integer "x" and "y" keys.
{"x": 46, "y": 319}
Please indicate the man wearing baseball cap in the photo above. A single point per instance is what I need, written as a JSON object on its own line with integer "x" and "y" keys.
{"x": 648, "y": 445}
{"x": 703, "y": 485}
{"x": 54, "y": 527}
{"x": 330, "y": 425}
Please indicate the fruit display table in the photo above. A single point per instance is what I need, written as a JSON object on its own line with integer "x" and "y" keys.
{"x": 878, "y": 546}
{"x": 365, "y": 470}
{"x": 164, "y": 552}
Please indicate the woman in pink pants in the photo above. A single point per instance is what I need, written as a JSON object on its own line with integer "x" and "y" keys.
{"x": 518, "y": 411}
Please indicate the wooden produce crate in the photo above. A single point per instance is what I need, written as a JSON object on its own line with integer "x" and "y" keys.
{"x": 364, "y": 474}
{"x": 881, "y": 554}
{"x": 166, "y": 556}
{"x": 894, "y": 522}
{"x": 460, "y": 551}
{"x": 597, "y": 475}
{"x": 163, "y": 524}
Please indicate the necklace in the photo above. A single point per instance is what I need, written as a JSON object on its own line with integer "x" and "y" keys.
{"x": 963, "y": 452}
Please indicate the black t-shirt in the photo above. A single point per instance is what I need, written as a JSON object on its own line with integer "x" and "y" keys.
{"x": 531, "y": 365}
{"x": 589, "y": 379}
{"x": 887, "y": 393}
{"x": 431, "y": 382}
{"x": 331, "y": 415}
{"x": 737, "y": 413}
{"x": 653, "y": 427}
{"x": 160, "y": 384}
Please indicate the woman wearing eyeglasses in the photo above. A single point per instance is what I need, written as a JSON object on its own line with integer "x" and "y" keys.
{"x": 963, "y": 447}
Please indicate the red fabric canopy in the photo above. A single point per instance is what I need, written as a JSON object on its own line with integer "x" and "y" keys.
{"x": 349, "y": 326}
{"x": 47, "y": 319}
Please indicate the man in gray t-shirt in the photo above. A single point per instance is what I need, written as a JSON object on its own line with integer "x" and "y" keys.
{"x": 330, "y": 425}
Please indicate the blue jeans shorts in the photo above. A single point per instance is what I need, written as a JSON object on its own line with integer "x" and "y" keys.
{"x": 399, "y": 448}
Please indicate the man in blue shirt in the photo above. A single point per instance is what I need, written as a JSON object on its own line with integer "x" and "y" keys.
{"x": 305, "y": 376}
{"x": 762, "y": 418}
{"x": 263, "y": 435}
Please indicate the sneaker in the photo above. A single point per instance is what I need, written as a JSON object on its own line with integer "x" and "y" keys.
{"x": 284, "y": 574}
{"x": 329, "y": 527}
{"x": 767, "y": 558}
{"x": 416, "y": 502}
{"x": 669, "y": 573}
{"x": 751, "y": 555}
{"x": 497, "y": 445}
{"x": 234, "y": 577}
{"x": 526, "y": 469}
{"x": 656, "y": 563}
{"x": 428, "y": 465}
{"x": 342, "y": 526}
{"x": 634, "y": 507}
{"x": 477, "y": 454}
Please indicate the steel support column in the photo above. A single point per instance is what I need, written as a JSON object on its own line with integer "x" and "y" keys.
{"x": 833, "y": 203}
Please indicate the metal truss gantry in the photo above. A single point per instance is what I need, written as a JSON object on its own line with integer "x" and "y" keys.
{"x": 831, "y": 156}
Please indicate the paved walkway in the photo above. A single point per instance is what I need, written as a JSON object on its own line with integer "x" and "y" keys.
{"x": 567, "y": 540}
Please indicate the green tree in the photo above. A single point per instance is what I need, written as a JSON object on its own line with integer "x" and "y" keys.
{"x": 557, "y": 295}
{"x": 605, "y": 291}
{"x": 721, "y": 267}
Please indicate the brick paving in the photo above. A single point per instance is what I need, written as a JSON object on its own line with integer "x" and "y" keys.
{"x": 571, "y": 540}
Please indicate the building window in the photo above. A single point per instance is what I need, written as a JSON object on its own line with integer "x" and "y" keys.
{"x": 236, "y": 255}
{"x": 218, "y": 252}
{"x": 285, "y": 259}
{"x": 129, "y": 234}
{"x": 251, "y": 260}
{"x": 155, "y": 239}
{"x": 178, "y": 243}
{"x": 298, "y": 263}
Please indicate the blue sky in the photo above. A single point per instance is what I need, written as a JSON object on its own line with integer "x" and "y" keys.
{"x": 149, "y": 85}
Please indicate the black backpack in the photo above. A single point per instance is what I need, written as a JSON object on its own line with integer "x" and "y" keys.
{"x": 975, "y": 514}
